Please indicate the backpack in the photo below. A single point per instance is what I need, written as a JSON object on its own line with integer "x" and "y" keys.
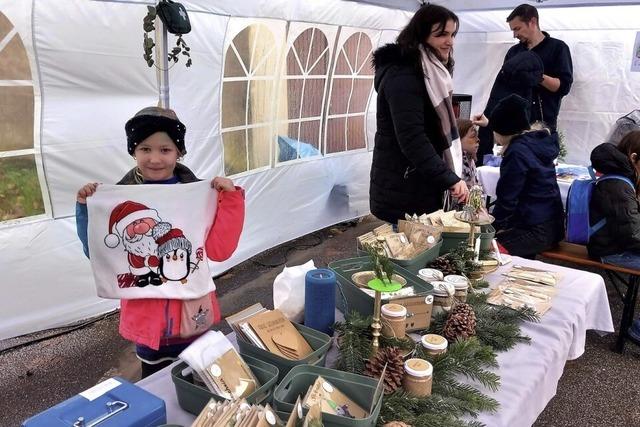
{"x": 579, "y": 229}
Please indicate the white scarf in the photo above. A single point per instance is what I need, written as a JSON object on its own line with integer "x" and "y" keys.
{"x": 147, "y": 241}
{"x": 439, "y": 85}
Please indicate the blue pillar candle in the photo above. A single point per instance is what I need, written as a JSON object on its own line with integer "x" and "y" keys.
{"x": 320, "y": 300}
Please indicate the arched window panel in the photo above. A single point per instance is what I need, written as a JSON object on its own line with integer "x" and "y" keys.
{"x": 21, "y": 179}
{"x": 350, "y": 91}
{"x": 302, "y": 91}
{"x": 252, "y": 53}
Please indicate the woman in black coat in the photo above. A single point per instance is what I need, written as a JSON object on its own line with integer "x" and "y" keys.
{"x": 413, "y": 164}
{"x": 616, "y": 201}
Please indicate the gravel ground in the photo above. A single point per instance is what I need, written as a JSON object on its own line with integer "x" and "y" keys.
{"x": 598, "y": 389}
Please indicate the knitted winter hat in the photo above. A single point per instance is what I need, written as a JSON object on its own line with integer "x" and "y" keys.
{"x": 169, "y": 239}
{"x": 510, "y": 116}
{"x": 123, "y": 215}
{"x": 150, "y": 120}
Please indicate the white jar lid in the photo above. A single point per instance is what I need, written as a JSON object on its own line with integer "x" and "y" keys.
{"x": 418, "y": 368}
{"x": 430, "y": 274}
{"x": 394, "y": 310}
{"x": 434, "y": 342}
{"x": 443, "y": 289}
{"x": 460, "y": 282}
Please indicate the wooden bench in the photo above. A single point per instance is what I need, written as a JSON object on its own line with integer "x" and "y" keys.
{"x": 577, "y": 254}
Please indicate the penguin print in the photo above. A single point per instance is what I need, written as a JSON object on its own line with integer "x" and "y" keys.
{"x": 175, "y": 265}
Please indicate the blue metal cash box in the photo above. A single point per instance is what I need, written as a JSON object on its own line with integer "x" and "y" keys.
{"x": 111, "y": 403}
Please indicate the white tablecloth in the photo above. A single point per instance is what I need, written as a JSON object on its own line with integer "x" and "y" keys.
{"x": 488, "y": 177}
{"x": 529, "y": 372}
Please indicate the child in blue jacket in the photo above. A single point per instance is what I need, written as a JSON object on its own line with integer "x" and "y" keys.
{"x": 529, "y": 216}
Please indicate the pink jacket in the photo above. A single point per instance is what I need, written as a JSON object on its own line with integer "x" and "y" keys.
{"x": 155, "y": 322}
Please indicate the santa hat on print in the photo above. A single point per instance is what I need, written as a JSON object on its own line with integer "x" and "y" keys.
{"x": 169, "y": 239}
{"x": 124, "y": 214}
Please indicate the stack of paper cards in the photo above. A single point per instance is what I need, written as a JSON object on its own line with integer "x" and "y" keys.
{"x": 271, "y": 331}
{"x": 332, "y": 400}
{"x": 219, "y": 366}
{"x": 237, "y": 414}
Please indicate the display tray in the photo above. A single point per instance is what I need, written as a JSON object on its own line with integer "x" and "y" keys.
{"x": 193, "y": 398}
{"x": 349, "y": 297}
{"x": 358, "y": 388}
{"x": 319, "y": 342}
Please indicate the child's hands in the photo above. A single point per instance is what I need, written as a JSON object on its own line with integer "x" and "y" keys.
{"x": 86, "y": 191}
{"x": 222, "y": 184}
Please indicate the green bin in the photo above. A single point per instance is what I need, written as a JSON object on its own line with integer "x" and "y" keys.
{"x": 349, "y": 297}
{"x": 358, "y": 388}
{"x": 193, "y": 398}
{"x": 418, "y": 262}
{"x": 319, "y": 342}
{"x": 451, "y": 241}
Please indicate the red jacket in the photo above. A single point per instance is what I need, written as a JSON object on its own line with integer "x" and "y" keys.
{"x": 155, "y": 322}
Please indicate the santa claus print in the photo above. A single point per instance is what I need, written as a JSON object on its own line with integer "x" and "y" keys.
{"x": 131, "y": 224}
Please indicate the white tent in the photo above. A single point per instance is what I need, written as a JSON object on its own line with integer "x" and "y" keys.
{"x": 265, "y": 74}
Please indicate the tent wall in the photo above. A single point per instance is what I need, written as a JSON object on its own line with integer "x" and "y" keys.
{"x": 92, "y": 79}
{"x": 601, "y": 42}
{"x": 89, "y": 78}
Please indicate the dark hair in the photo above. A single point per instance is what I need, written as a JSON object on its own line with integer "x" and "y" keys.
{"x": 463, "y": 127}
{"x": 419, "y": 28}
{"x": 525, "y": 12}
{"x": 630, "y": 144}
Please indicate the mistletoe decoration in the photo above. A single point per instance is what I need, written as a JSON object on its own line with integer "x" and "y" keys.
{"x": 382, "y": 266}
{"x": 148, "y": 25}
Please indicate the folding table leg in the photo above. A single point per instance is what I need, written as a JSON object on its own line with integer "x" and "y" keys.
{"x": 627, "y": 313}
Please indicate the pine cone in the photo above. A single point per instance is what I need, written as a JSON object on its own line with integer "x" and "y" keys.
{"x": 444, "y": 264}
{"x": 392, "y": 357}
{"x": 461, "y": 323}
{"x": 396, "y": 424}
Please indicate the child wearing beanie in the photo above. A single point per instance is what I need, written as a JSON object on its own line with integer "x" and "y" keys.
{"x": 156, "y": 140}
{"x": 529, "y": 216}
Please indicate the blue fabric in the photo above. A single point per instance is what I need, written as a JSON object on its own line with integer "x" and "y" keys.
{"x": 291, "y": 149}
{"x": 527, "y": 191}
{"x": 82, "y": 222}
{"x": 173, "y": 180}
{"x": 628, "y": 259}
{"x": 320, "y": 300}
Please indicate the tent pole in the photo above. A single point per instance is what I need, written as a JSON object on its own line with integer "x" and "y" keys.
{"x": 162, "y": 61}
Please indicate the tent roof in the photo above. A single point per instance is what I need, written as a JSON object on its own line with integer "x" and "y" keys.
{"x": 466, "y": 5}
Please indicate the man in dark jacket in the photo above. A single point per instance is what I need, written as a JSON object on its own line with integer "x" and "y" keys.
{"x": 408, "y": 174}
{"x": 555, "y": 81}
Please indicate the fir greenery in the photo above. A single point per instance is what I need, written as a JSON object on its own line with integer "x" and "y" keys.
{"x": 496, "y": 326}
{"x": 354, "y": 342}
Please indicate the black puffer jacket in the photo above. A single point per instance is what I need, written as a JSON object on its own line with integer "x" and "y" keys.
{"x": 616, "y": 201}
{"x": 408, "y": 174}
{"x": 518, "y": 75}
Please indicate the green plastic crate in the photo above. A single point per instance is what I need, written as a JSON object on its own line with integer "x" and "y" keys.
{"x": 319, "y": 342}
{"x": 417, "y": 263}
{"x": 193, "y": 398}
{"x": 358, "y": 388}
{"x": 451, "y": 241}
{"x": 349, "y": 297}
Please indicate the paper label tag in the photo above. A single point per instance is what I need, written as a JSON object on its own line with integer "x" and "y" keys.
{"x": 327, "y": 387}
{"x": 428, "y": 299}
{"x": 100, "y": 389}
{"x": 271, "y": 419}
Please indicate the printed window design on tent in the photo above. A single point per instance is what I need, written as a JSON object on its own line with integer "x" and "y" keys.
{"x": 20, "y": 189}
{"x": 248, "y": 89}
{"x": 349, "y": 95}
{"x": 302, "y": 100}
